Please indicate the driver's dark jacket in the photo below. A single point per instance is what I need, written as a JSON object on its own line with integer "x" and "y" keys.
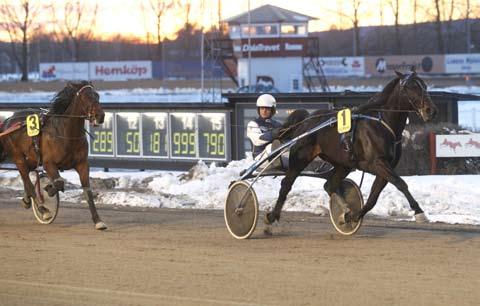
{"x": 259, "y": 131}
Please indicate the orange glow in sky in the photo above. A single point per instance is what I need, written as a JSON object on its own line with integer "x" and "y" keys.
{"x": 126, "y": 17}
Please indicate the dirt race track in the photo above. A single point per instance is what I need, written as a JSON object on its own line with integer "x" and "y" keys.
{"x": 187, "y": 257}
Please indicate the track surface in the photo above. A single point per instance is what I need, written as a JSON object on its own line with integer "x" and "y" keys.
{"x": 187, "y": 257}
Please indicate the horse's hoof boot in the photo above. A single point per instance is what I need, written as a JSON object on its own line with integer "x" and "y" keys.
{"x": 26, "y": 203}
{"x": 421, "y": 218}
{"x": 100, "y": 226}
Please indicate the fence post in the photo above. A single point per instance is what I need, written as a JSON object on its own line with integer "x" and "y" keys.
{"x": 433, "y": 153}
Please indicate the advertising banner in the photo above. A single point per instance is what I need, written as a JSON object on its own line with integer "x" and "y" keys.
{"x": 386, "y": 65}
{"x": 467, "y": 145}
{"x": 462, "y": 63}
{"x": 270, "y": 47}
{"x": 63, "y": 71}
{"x": 343, "y": 66}
{"x": 121, "y": 71}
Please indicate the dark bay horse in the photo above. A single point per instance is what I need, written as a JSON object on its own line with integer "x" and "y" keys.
{"x": 376, "y": 145}
{"x": 61, "y": 144}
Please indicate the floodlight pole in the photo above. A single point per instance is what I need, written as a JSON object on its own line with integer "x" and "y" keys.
{"x": 249, "y": 47}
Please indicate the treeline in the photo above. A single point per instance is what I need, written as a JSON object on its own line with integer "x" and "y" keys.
{"x": 377, "y": 40}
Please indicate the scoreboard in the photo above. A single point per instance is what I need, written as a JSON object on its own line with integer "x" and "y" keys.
{"x": 163, "y": 135}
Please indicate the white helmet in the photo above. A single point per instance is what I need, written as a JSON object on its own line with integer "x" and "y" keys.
{"x": 266, "y": 100}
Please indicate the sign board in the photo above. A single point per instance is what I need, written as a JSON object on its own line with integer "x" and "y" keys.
{"x": 270, "y": 47}
{"x": 462, "y": 63}
{"x": 386, "y": 65}
{"x": 467, "y": 145}
{"x": 120, "y": 71}
{"x": 343, "y": 66}
{"x": 159, "y": 135}
{"x": 63, "y": 71}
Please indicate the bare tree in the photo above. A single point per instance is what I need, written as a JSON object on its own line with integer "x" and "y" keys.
{"x": 18, "y": 20}
{"x": 75, "y": 24}
{"x": 354, "y": 19}
{"x": 395, "y": 5}
{"x": 158, "y": 8}
{"x": 438, "y": 26}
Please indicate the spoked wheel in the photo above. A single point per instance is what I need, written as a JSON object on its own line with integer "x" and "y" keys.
{"x": 241, "y": 210}
{"x": 354, "y": 201}
{"x": 45, "y": 208}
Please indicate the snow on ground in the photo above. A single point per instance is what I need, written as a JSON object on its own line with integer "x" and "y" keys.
{"x": 449, "y": 199}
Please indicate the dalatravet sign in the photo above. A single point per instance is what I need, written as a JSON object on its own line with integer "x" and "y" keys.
{"x": 270, "y": 47}
{"x": 120, "y": 71}
{"x": 462, "y": 63}
{"x": 63, "y": 71}
{"x": 386, "y": 65}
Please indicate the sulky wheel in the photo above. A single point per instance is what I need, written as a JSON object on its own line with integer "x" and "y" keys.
{"x": 353, "y": 200}
{"x": 45, "y": 208}
{"x": 241, "y": 210}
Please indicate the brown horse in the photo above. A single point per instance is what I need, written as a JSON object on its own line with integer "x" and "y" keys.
{"x": 376, "y": 146}
{"x": 61, "y": 145}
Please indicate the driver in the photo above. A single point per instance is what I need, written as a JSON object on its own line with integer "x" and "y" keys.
{"x": 264, "y": 129}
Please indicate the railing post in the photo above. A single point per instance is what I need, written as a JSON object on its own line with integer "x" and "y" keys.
{"x": 433, "y": 153}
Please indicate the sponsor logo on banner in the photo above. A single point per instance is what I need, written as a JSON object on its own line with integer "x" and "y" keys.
{"x": 462, "y": 63}
{"x": 343, "y": 66}
{"x": 269, "y": 47}
{"x": 63, "y": 71}
{"x": 386, "y": 65}
{"x": 117, "y": 71}
{"x": 467, "y": 145}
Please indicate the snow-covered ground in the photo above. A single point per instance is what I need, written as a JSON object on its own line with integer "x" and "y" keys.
{"x": 449, "y": 199}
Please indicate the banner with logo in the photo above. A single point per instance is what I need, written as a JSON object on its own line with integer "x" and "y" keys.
{"x": 457, "y": 145}
{"x": 462, "y": 63}
{"x": 270, "y": 47}
{"x": 343, "y": 66}
{"x": 386, "y": 65}
{"x": 63, "y": 71}
{"x": 121, "y": 71}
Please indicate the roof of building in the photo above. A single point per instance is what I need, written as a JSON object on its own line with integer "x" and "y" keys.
{"x": 268, "y": 14}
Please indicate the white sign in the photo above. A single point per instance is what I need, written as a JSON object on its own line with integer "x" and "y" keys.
{"x": 343, "y": 66}
{"x": 121, "y": 71}
{"x": 462, "y": 63}
{"x": 63, "y": 71}
{"x": 467, "y": 145}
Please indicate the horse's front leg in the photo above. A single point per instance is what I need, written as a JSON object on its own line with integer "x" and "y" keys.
{"x": 385, "y": 171}
{"x": 83, "y": 171}
{"x": 57, "y": 182}
{"x": 377, "y": 187}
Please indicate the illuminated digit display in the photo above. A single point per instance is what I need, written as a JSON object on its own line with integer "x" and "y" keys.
{"x": 211, "y": 135}
{"x": 102, "y": 142}
{"x": 183, "y": 135}
{"x": 155, "y": 134}
{"x": 128, "y": 134}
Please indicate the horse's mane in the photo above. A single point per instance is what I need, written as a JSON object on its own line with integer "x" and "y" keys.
{"x": 63, "y": 98}
{"x": 381, "y": 98}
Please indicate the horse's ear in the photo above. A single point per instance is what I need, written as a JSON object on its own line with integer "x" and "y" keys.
{"x": 399, "y": 74}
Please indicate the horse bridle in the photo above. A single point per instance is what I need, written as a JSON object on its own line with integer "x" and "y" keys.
{"x": 89, "y": 114}
{"x": 403, "y": 84}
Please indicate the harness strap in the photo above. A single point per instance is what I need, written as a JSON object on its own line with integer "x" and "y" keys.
{"x": 16, "y": 126}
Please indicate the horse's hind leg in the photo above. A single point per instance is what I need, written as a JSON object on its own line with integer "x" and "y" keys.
{"x": 84, "y": 173}
{"x": 377, "y": 187}
{"x": 385, "y": 171}
{"x": 27, "y": 183}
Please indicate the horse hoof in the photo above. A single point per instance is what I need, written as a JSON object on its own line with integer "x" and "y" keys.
{"x": 267, "y": 231}
{"x": 26, "y": 203}
{"x": 51, "y": 190}
{"x": 421, "y": 218}
{"x": 269, "y": 218}
{"x": 46, "y": 216}
{"x": 100, "y": 226}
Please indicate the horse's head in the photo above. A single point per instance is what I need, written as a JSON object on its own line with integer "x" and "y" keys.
{"x": 89, "y": 102}
{"x": 414, "y": 90}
